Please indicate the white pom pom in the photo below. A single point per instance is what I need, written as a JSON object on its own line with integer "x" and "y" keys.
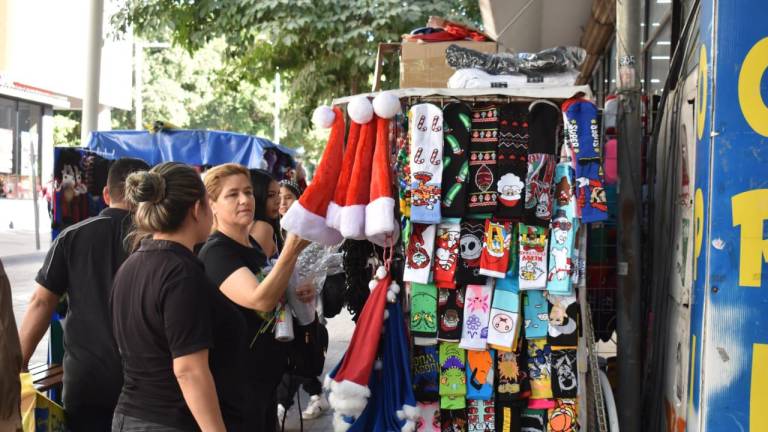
{"x": 391, "y": 297}
{"x": 394, "y": 287}
{"x": 400, "y": 414}
{"x": 372, "y": 285}
{"x": 378, "y": 365}
{"x": 323, "y": 117}
{"x": 386, "y": 105}
{"x": 386, "y": 314}
{"x": 381, "y": 273}
{"x": 409, "y": 426}
{"x": 360, "y": 110}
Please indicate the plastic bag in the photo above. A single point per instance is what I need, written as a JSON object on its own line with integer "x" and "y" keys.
{"x": 38, "y": 413}
{"x": 552, "y": 60}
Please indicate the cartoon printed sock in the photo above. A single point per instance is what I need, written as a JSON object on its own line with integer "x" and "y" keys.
{"x": 563, "y": 326}
{"x": 565, "y": 375}
{"x": 480, "y": 374}
{"x": 426, "y": 133}
{"x": 482, "y": 159}
{"x": 481, "y": 416}
{"x": 512, "y": 384}
{"x": 446, "y": 256}
{"x": 494, "y": 259}
{"x": 456, "y": 135}
{"x": 563, "y": 229}
{"x": 471, "y": 248}
{"x": 544, "y": 120}
{"x": 504, "y": 319}
{"x": 535, "y": 314}
{"x": 533, "y": 257}
{"x": 590, "y": 193}
{"x": 507, "y": 417}
{"x": 452, "y": 366}
{"x": 512, "y": 159}
{"x": 430, "y": 417}
{"x": 425, "y": 370}
{"x": 532, "y": 420}
{"x": 564, "y": 416}
{"x": 403, "y": 164}
{"x": 424, "y": 314}
{"x": 477, "y": 308}
{"x": 453, "y": 420}
{"x": 539, "y": 369}
{"x": 419, "y": 253}
{"x": 511, "y": 281}
{"x": 450, "y": 308}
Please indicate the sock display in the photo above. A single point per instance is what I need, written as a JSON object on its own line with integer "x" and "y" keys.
{"x": 481, "y": 416}
{"x": 419, "y": 253}
{"x": 430, "y": 417}
{"x": 507, "y": 418}
{"x": 480, "y": 376}
{"x": 540, "y": 369}
{"x": 563, "y": 230}
{"x": 477, "y": 307}
{"x": 535, "y": 314}
{"x": 424, "y": 314}
{"x": 494, "y": 259}
{"x": 450, "y": 308}
{"x": 426, "y": 132}
{"x": 533, "y": 257}
{"x": 456, "y": 136}
{"x": 591, "y": 199}
{"x": 425, "y": 369}
{"x": 562, "y": 329}
{"x": 453, "y": 420}
{"x": 512, "y": 159}
{"x": 564, "y": 373}
{"x": 564, "y": 416}
{"x": 482, "y": 159}
{"x": 504, "y": 319}
{"x": 453, "y": 386}
{"x": 544, "y": 121}
{"x": 471, "y": 248}
{"x": 512, "y": 384}
{"x": 446, "y": 254}
{"x": 532, "y": 420}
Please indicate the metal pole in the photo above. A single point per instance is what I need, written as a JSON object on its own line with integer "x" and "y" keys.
{"x": 93, "y": 70}
{"x": 628, "y": 300}
{"x": 138, "y": 76}
{"x": 34, "y": 165}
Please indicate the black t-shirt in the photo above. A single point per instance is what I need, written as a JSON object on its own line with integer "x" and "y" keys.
{"x": 81, "y": 263}
{"x": 165, "y": 307}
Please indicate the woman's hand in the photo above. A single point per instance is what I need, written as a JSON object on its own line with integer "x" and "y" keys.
{"x": 306, "y": 293}
{"x": 294, "y": 245}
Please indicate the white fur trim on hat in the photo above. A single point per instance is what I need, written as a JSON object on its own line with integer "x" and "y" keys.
{"x": 309, "y": 226}
{"x": 360, "y": 110}
{"x": 333, "y": 215}
{"x": 339, "y": 424}
{"x": 386, "y": 105}
{"x": 379, "y": 219}
{"x": 353, "y": 222}
{"x": 323, "y": 116}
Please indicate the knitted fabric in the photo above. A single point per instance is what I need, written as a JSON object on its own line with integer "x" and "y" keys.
{"x": 494, "y": 260}
{"x": 450, "y": 309}
{"x": 446, "y": 256}
{"x": 426, "y": 137}
{"x": 456, "y": 136}
{"x": 482, "y": 159}
{"x": 471, "y": 248}
{"x": 512, "y": 159}
{"x": 419, "y": 253}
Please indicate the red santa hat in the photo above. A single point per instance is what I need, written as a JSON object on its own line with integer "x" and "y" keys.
{"x": 306, "y": 217}
{"x": 352, "y": 224}
{"x": 333, "y": 218}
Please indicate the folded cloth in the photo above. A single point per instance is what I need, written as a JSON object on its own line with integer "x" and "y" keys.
{"x": 419, "y": 253}
{"x": 425, "y": 369}
{"x": 565, "y": 381}
{"x": 424, "y": 314}
{"x": 471, "y": 248}
{"x": 533, "y": 257}
{"x": 446, "y": 259}
{"x": 564, "y": 416}
{"x": 480, "y": 374}
{"x": 512, "y": 159}
{"x": 452, "y": 366}
{"x": 504, "y": 319}
{"x": 430, "y": 417}
{"x": 544, "y": 121}
{"x": 512, "y": 384}
{"x": 540, "y": 368}
{"x": 535, "y": 314}
{"x": 453, "y": 420}
{"x": 478, "y": 79}
{"x": 482, "y": 159}
{"x": 507, "y": 417}
{"x": 481, "y": 416}
{"x": 456, "y": 136}
{"x": 477, "y": 308}
{"x": 562, "y": 329}
{"x": 494, "y": 259}
{"x": 450, "y": 308}
{"x": 426, "y": 133}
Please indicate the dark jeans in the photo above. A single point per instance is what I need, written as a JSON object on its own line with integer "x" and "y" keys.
{"x": 90, "y": 418}
{"x": 290, "y": 385}
{"x": 124, "y": 423}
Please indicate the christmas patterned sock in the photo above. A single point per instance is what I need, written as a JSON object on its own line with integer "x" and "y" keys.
{"x": 456, "y": 135}
{"x": 482, "y": 159}
{"x": 481, "y": 416}
{"x": 563, "y": 321}
{"x": 425, "y": 370}
{"x": 494, "y": 259}
{"x": 450, "y": 308}
{"x": 563, "y": 230}
{"x": 539, "y": 369}
{"x": 535, "y": 314}
{"x": 533, "y": 257}
{"x": 564, "y": 417}
{"x": 480, "y": 376}
{"x": 426, "y": 133}
{"x": 418, "y": 253}
{"x": 430, "y": 417}
{"x": 512, "y": 159}
{"x": 447, "y": 253}
{"x": 507, "y": 417}
{"x": 471, "y": 248}
{"x": 477, "y": 307}
{"x": 504, "y": 319}
{"x": 564, "y": 373}
{"x": 424, "y": 314}
{"x": 533, "y": 420}
{"x": 544, "y": 130}
{"x": 512, "y": 384}
{"x": 453, "y": 386}
{"x": 453, "y": 420}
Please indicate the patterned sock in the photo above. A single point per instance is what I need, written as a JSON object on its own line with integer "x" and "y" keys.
{"x": 481, "y": 416}
{"x": 456, "y": 135}
{"x": 533, "y": 420}
{"x": 563, "y": 231}
{"x": 504, "y": 319}
{"x": 565, "y": 381}
{"x": 563, "y": 321}
{"x": 544, "y": 131}
{"x": 533, "y": 257}
{"x": 540, "y": 369}
{"x": 471, "y": 248}
{"x": 450, "y": 308}
{"x": 426, "y": 132}
{"x": 419, "y": 253}
{"x": 477, "y": 308}
{"x": 480, "y": 374}
{"x": 430, "y": 417}
{"x": 494, "y": 259}
{"x": 535, "y": 314}
{"x": 507, "y": 417}
{"x": 424, "y": 314}
{"x": 564, "y": 417}
{"x": 447, "y": 253}
{"x": 512, "y": 384}
{"x": 590, "y": 193}
{"x": 482, "y": 159}
{"x": 453, "y": 420}
{"x": 425, "y": 370}
{"x": 512, "y": 156}
{"x": 452, "y": 378}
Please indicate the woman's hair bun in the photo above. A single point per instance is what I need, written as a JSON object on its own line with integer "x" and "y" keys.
{"x": 145, "y": 186}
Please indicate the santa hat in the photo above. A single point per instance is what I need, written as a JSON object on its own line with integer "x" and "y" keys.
{"x": 306, "y": 217}
{"x": 380, "y": 224}
{"x": 352, "y": 224}
{"x": 333, "y": 219}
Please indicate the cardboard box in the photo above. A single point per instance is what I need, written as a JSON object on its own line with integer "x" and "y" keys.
{"x": 424, "y": 65}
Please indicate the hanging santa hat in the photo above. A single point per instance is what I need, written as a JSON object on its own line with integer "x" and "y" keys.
{"x": 306, "y": 217}
{"x": 352, "y": 224}
{"x": 380, "y": 224}
{"x": 333, "y": 218}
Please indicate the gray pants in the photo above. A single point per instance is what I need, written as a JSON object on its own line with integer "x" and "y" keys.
{"x": 124, "y": 423}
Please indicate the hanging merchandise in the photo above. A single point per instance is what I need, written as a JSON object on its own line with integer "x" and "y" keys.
{"x": 535, "y": 314}
{"x": 424, "y": 314}
{"x": 563, "y": 417}
{"x": 447, "y": 253}
{"x": 512, "y": 382}
{"x": 533, "y": 257}
{"x": 533, "y": 420}
{"x": 563, "y": 228}
{"x": 494, "y": 259}
{"x": 380, "y": 225}
{"x": 333, "y": 218}
{"x": 477, "y": 308}
{"x": 425, "y": 368}
{"x": 481, "y": 416}
{"x": 544, "y": 131}
{"x": 471, "y": 248}
{"x": 456, "y": 135}
{"x": 480, "y": 375}
{"x": 453, "y": 420}
{"x": 563, "y": 321}
{"x": 482, "y": 159}
{"x": 352, "y": 218}
{"x": 419, "y": 253}
{"x": 453, "y": 381}
{"x": 426, "y": 136}
{"x": 512, "y": 158}
{"x": 564, "y": 373}
{"x": 450, "y": 308}
{"x": 507, "y": 418}
{"x": 504, "y": 319}
{"x": 430, "y": 417}
{"x": 540, "y": 372}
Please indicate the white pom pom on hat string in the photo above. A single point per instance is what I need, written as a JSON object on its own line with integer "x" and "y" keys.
{"x": 381, "y": 273}
{"x": 394, "y": 287}
{"x": 391, "y": 297}
{"x": 360, "y": 110}
{"x": 372, "y": 285}
{"x": 323, "y": 117}
{"x": 386, "y": 314}
{"x": 386, "y": 105}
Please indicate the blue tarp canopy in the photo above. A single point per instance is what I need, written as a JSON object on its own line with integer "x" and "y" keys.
{"x": 193, "y": 147}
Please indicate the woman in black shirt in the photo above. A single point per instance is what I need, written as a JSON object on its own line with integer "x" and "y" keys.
{"x": 234, "y": 262}
{"x": 176, "y": 334}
